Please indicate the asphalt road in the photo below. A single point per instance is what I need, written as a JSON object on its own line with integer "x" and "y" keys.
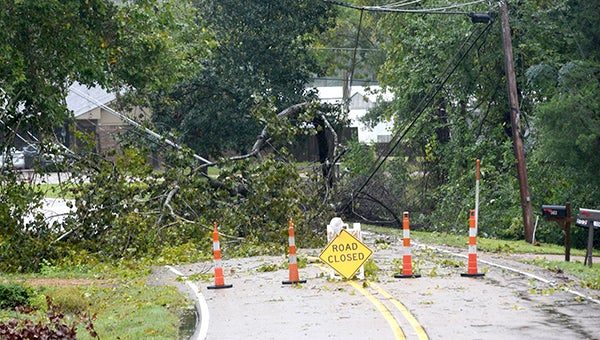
{"x": 511, "y": 301}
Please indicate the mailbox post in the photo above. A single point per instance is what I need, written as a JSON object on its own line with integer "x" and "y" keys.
{"x": 562, "y": 215}
{"x": 591, "y": 219}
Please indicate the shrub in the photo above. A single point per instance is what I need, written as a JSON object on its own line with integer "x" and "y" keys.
{"x": 13, "y": 295}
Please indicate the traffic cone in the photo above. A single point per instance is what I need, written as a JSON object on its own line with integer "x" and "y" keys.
{"x": 407, "y": 270}
{"x": 219, "y": 279}
{"x": 472, "y": 264}
{"x": 294, "y": 278}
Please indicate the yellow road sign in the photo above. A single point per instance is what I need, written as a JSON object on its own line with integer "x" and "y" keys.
{"x": 345, "y": 254}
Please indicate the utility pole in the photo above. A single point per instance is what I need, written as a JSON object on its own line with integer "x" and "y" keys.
{"x": 515, "y": 121}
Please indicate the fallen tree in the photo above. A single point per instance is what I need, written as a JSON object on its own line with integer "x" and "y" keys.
{"x": 125, "y": 209}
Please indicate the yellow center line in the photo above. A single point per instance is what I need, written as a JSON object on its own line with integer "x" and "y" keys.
{"x": 387, "y": 314}
{"x": 421, "y": 334}
{"x": 398, "y": 333}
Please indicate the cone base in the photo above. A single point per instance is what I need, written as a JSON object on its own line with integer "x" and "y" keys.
{"x": 405, "y": 276}
{"x": 472, "y": 275}
{"x": 219, "y": 287}
{"x": 292, "y": 282}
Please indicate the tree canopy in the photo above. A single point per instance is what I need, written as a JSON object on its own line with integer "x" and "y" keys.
{"x": 225, "y": 68}
{"x": 49, "y": 45}
{"x": 263, "y": 53}
{"x": 45, "y": 45}
{"x": 556, "y": 59}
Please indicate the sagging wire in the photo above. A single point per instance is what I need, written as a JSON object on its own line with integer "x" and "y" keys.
{"x": 401, "y": 3}
{"x": 353, "y": 64}
{"x": 139, "y": 126}
{"x": 422, "y": 106}
{"x": 439, "y": 10}
{"x": 454, "y": 6}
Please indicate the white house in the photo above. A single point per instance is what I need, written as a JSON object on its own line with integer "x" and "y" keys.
{"x": 361, "y": 101}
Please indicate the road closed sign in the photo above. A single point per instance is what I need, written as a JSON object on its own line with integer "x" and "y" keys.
{"x": 345, "y": 254}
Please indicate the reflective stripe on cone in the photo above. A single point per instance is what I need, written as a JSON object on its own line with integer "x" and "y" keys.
{"x": 472, "y": 262}
{"x": 219, "y": 279}
{"x": 407, "y": 270}
{"x": 293, "y": 259}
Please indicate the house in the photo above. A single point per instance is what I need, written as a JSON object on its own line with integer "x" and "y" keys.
{"x": 90, "y": 107}
{"x": 362, "y": 99}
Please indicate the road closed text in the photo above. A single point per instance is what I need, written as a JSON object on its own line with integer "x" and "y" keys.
{"x": 345, "y": 253}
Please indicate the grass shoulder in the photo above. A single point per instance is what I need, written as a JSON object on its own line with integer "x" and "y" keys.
{"x": 123, "y": 304}
{"x": 589, "y": 276}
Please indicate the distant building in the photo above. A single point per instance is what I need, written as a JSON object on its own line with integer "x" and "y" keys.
{"x": 361, "y": 101}
{"x": 90, "y": 107}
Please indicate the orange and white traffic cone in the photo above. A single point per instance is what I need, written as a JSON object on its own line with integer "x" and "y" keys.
{"x": 219, "y": 279}
{"x": 472, "y": 263}
{"x": 293, "y": 260}
{"x": 407, "y": 270}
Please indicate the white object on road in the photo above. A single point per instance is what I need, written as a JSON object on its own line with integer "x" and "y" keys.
{"x": 334, "y": 228}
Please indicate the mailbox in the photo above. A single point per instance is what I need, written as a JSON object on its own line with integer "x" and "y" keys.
{"x": 561, "y": 214}
{"x": 557, "y": 211}
{"x": 590, "y": 214}
{"x": 588, "y": 218}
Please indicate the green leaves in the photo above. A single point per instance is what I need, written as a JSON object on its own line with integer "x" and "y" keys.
{"x": 48, "y": 45}
{"x": 569, "y": 125}
{"x": 156, "y": 44}
{"x": 557, "y": 74}
{"x": 263, "y": 52}
{"x": 24, "y": 230}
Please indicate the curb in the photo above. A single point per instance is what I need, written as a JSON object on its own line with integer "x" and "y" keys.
{"x": 201, "y": 308}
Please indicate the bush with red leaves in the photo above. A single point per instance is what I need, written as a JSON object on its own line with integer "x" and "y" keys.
{"x": 55, "y": 328}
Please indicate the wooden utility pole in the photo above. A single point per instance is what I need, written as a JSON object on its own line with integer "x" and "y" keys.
{"x": 515, "y": 121}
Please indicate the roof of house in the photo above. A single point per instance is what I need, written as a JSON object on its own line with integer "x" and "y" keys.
{"x": 334, "y": 94}
{"x": 82, "y": 99}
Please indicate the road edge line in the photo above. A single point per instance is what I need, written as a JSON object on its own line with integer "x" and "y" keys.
{"x": 201, "y": 307}
{"x": 533, "y": 276}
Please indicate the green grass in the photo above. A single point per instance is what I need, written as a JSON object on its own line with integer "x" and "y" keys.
{"x": 135, "y": 312}
{"x": 589, "y": 276}
{"x": 125, "y": 307}
{"x": 56, "y": 190}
